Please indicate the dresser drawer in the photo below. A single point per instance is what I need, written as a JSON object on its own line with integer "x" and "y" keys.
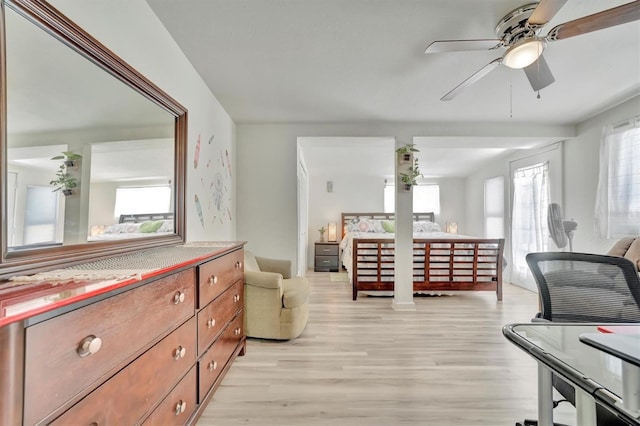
{"x": 146, "y": 380}
{"x": 326, "y": 249}
{"x": 326, "y": 262}
{"x": 216, "y": 276}
{"x": 113, "y": 331}
{"x": 214, "y": 360}
{"x": 215, "y": 316}
{"x": 177, "y": 407}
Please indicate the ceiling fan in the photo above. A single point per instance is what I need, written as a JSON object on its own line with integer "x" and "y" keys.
{"x": 519, "y": 32}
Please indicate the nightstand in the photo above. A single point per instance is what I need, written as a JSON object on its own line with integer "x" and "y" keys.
{"x": 327, "y": 257}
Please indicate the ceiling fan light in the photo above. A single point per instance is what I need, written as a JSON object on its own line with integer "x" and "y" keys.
{"x": 524, "y": 53}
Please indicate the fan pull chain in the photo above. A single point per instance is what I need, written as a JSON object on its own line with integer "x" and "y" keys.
{"x": 510, "y": 100}
{"x": 538, "y": 95}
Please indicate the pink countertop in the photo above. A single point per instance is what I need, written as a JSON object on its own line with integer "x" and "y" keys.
{"x": 23, "y": 299}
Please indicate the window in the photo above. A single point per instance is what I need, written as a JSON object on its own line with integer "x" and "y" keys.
{"x": 618, "y": 201}
{"x": 41, "y": 214}
{"x": 529, "y": 219}
{"x": 494, "y": 207}
{"x": 426, "y": 198}
{"x": 150, "y": 199}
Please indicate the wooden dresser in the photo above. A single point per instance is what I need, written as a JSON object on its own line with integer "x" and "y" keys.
{"x": 148, "y": 350}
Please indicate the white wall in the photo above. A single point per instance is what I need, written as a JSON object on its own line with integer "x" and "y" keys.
{"x": 132, "y": 31}
{"x": 350, "y": 194}
{"x": 364, "y": 194}
{"x": 579, "y": 178}
{"x": 267, "y": 156}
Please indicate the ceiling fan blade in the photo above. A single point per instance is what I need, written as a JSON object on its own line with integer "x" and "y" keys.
{"x": 607, "y": 18}
{"x": 462, "y": 45}
{"x": 474, "y": 77}
{"x": 544, "y": 12}
{"x": 539, "y": 74}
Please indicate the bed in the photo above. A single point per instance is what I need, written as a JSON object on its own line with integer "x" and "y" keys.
{"x": 134, "y": 226}
{"x": 442, "y": 262}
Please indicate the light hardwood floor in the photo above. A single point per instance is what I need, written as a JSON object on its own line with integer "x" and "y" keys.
{"x": 362, "y": 363}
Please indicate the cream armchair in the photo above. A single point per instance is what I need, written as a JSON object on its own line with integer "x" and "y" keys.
{"x": 276, "y": 304}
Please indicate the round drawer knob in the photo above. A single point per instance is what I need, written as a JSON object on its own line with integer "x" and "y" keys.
{"x": 211, "y": 322}
{"x": 237, "y": 331}
{"x": 179, "y": 352}
{"x": 238, "y": 265}
{"x": 178, "y": 298}
{"x": 213, "y": 280}
{"x": 236, "y": 298}
{"x": 212, "y": 366}
{"x": 180, "y": 407}
{"x": 89, "y": 346}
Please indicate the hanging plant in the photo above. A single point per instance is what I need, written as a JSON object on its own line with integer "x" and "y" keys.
{"x": 409, "y": 178}
{"x": 69, "y": 158}
{"x": 410, "y": 173}
{"x": 406, "y": 151}
{"x": 64, "y": 180}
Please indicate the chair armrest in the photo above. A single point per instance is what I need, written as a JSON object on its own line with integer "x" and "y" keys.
{"x": 263, "y": 279}
{"x": 280, "y": 266}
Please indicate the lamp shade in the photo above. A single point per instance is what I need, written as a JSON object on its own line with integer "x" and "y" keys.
{"x": 333, "y": 232}
{"x": 524, "y": 53}
{"x": 452, "y": 228}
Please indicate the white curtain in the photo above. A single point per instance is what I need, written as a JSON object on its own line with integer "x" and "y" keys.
{"x": 529, "y": 231}
{"x": 618, "y": 199}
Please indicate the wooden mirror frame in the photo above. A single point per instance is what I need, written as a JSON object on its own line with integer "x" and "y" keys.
{"x": 42, "y": 14}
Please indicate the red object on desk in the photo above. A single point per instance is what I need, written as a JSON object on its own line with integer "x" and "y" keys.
{"x": 619, "y": 329}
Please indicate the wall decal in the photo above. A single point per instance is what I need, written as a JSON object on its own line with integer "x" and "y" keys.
{"x": 213, "y": 202}
{"x": 197, "y": 156}
{"x": 199, "y": 210}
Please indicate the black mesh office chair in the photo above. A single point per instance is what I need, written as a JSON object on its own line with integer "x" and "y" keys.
{"x": 582, "y": 287}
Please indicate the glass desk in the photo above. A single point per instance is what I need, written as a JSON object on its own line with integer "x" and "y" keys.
{"x": 600, "y": 360}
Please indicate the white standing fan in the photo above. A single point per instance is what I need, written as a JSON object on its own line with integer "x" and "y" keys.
{"x": 561, "y": 231}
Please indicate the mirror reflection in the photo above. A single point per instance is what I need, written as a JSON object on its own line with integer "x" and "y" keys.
{"x": 120, "y": 182}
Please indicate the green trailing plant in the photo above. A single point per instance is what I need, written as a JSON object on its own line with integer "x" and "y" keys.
{"x": 64, "y": 180}
{"x": 69, "y": 158}
{"x": 407, "y": 149}
{"x": 411, "y": 175}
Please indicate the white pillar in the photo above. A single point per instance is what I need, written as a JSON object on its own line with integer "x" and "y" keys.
{"x": 403, "y": 262}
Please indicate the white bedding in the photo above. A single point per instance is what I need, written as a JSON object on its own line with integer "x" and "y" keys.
{"x": 125, "y": 231}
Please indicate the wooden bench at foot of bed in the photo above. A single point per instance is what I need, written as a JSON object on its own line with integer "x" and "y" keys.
{"x": 439, "y": 265}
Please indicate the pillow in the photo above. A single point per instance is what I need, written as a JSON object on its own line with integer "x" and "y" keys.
{"x": 621, "y": 247}
{"x": 426, "y": 226}
{"x": 389, "y": 226}
{"x": 365, "y": 225}
{"x": 148, "y": 227}
{"x": 122, "y": 228}
{"x": 250, "y": 263}
{"x": 633, "y": 253}
{"x": 167, "y": 225}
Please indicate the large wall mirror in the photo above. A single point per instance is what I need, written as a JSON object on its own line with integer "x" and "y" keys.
{"x": 93, "y": 153}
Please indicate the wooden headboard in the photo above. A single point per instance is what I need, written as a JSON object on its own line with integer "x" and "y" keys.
{"x": 347, "y": 217}
{"x": 144, "y": 217}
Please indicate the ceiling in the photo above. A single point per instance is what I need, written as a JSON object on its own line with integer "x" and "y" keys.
{"x": 362, "y": 61}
